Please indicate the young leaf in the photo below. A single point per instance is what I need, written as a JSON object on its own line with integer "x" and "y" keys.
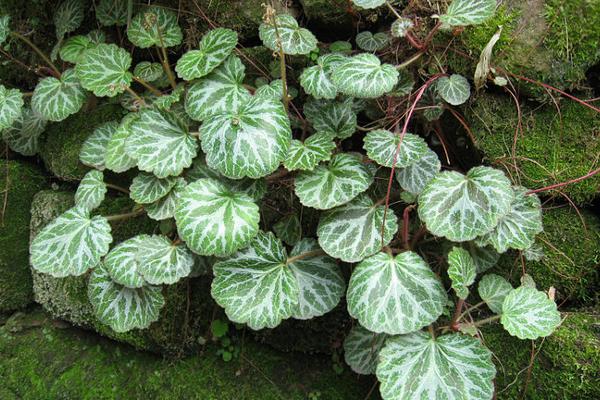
{"x": 123, "y": 308}
{"x": 518, "y": 228}
{"x": 213, "y": 219}
{"x": 104, "y": 70}
{"x": 147, "y": 188}
{"x": 382, "y": 145}
{"x": 123, "y": 262}
{"x": 222, "y": 90}
{"x": 274, "y": 90}
{"x": 339, "y": 229}
{"x": 155, "y": 26}
{"x": 4, "y": 28}
{"x": 68, "y": 16}
{"x": 461, "y": 270}
{"x": 528, "y": 313}
{"x": 361, "y": 349}
{"x": 162, "y": 262}
{"x": 161, "y": 143}
{"x": 417, "y": 175}
{"x": 250, "y": 140}
{"x": 11, "y": 106}
{"x": 333, "y": 184}
{"x": 23, "y": 136}
{"x": 363, "y": 76}
{"x": 535, "y": 252}
{"x": 332, "y": 116}
{"x": 117, "y": 159}
{"x": 215, "y": 46}
{"x": 74, "y": 47}
{"x": 305, "y": 156}
{"x": 401, "y": 26}
{"x": 165, "y": 207}
{"x": 112, "y": 12}
{"x": 166, "y": 102}
{"x": 91, "y": 190}
{"x": 93, "y": 150}
{"x": 316, "y": 80}
{"x": 288, "y": 229}
{"x": 461, "y": 207}
{"x": 371, "y": 42}
{"x": 493, "y": 289}
{"x": 255, "y": 286}
{"x": 468, "y": 12}
{"x": 454, "y": 90}
{"x": 148, "y": 71}
{"x": 283, "y": 30}
{"x": 71, "y": 244}
{"x": 368, "y": 4}
{"x": 483, "y": 257}
{"x": 395, "y": 295}
{"x": 450, "y": 367}
{"x": 56, "y": 99}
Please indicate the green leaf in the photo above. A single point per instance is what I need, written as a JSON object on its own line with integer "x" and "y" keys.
{"x": 371, "y": 42}
{"x": 117, "y": 159}
{"x": 468, "y": 12}
{"x": 382, "y": 146}
{"x": 220, "y": 91}
{"x": 164, "y": 208}
{"x": 320, "y": 281}
{"x": 162, "y": 262}
{"x": 361, "y": 349}
{"x": 461, "y": 207}
{"x": 518, "y": 228}
{"x": 332, "y": 116}
{"x": 4, "y": 28}
{"x": 56, "y": 99}
{"x": 112, "y": 12}
{"x": 316, "y": 80}
{"x": 148, "y": 71}
{"x": 395, "y": 295}
{"x": 483, "y": 257}
{"x": 147, "y": 188}
{"x": 535, "y": 252}
{"x": 93, "y": 150}
{"x": 11, "y": 106}
{"x": 368, "y": 4}
{"x": 417, "y": 175}
{"x": 283, "y": 30}
{"x": 123, "y": 262}
{"x": 255, "y": 286}
{"x": 363, "y": 76}
{"x": 71, "y": 244}
{"x": 340, "y": 46}
{"x": 166, "y": 102}
{"x": 123, "y": 308}
{"x": 214, "y": 219}
{"x": 73, "y": 48}
{"x": 274, "y": 90}
{"x": 305, "y": 156}
{"x": 360, "y": 218}
{"x": 23, "y": 136}
{"x": 493, "y": 289}
{"x": 250, "y": 140}
{"x": 68, "y": 17}
{"x": 288, "y": 229}
{"x": 461, "y": 270}
{"x": 528, "y": 313}
{"x": 155, "y": 26}
{"x": 160, "y": 142}
{"x": 401, "y": 26}
{"x": 333, "y": 184}
{"x": 91, "y": 190}
{"x": 454, "y": 90}
{"x": 104, "y": 70}
{"x": 215, "y": 46}
{"x": 450, "y": 367}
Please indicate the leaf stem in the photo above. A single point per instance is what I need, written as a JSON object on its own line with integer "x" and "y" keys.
{"x": 406, "y": 225}
{"x": 486, "y": 321}
{"x": 454, "y": 325}
{"x": 118, "y": 188}
{"x": 393, "y": 10}
{"x": 558, "y": 185}
{"x": 410, "y": 60}
{"x": 134, "y": 94}
{"x": 38, "y": 51}
{"x": 118, "y": 217}
{"x": 165, "y": 60}
{"x": 147, "y": 85}
{"x": 282, "y": 68}
{"x": 308, "y": 254}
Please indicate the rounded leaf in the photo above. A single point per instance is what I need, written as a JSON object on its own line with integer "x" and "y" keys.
{"x": 91, "y": 190}
{"x": 56, "y": 99}
{"x": 93, "y": 150}
{"x": 363, "y": 76}
{"x": 368, "y": 41}
{"x": 528, "y": 313}
{"x": 401, "y": 26}
{"x": 11, "y": 106}
{"x": 23, "y": 135}
{"x": 162, "y": 262}
{"x": 283, "y": 30}
{"x": 493, "y": 289}
{"x": 368, "y": 4}
{"x": 468, "y": 12}
{"x": 454, "y": 89}
{"x": 148, "y": 71}
{"x": 68, "y": 16}
{"x": 361, "y": 349}
{"x": 316, "y": 80}
{"x": 147, "y": 188}
{"x": 104, "y": 70}
{"x": 154, "y": 26}
{"x": 414, "y": 177}
{"x": 4, "y": 28}
{"x": 461, "y": 270}
{"x": 382, "y": 146}
{"x": 74, "y": 47}
{"x": 336, "y": 117}
{"x": 112, "y": 12}
{"x": 117, "y": 159}
{"x": 164, "y": 208}
{"x": 288, "y": 229}
{"x": 306, "y": 155}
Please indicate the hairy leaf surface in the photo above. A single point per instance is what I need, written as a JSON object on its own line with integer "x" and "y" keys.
{"x": 382, "y": 145}
{"x": 155, "y": 26}
{"x": 368, "y": 41}
{"x": 454, "y": 89}
{"x": 147, "y": 188}
{"x": 361, "y": 349}
{"x": 316, "y": 80}
{"x": 56, "y": 99}
{"x": 468, "y": 12}
{"x": 93, "y": 150}
{"x": 104, "y": 70}
{"x": 493, "y": 289}
{"x": 164, "y": 208}
{"x": 528, "y": 313}
{"x": 414, "y": 177}
{"x": 306, "y": 155}
{"x": 283, "y": 30}
{"x": 91, "y": 190}
{"x": 363, "y": 76}
{"x": 332, "y": 116}
{"x": 461, "y": 270}
{"x": 117, "y": 159}
{"x": 23, "y": 135}
{"x": 11, "y": 106}
{"x": 112, "y": 12}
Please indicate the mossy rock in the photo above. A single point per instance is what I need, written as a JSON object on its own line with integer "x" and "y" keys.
{"x": 188, "y": 307}
{"x": 571, "y": 256}
{"x": 566, "y": 366}
{"x": 43, "y": 359}
{"x": 62, "y": 144}
{"x": 19, "y": 182}
{"x": 329, "y": 17}
{"x": 553, "y": 147}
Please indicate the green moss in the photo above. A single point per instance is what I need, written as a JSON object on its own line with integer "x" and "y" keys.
{"x": 553, "y": 147}
{"x": 567, "y": 365}
{"x": 18, "y": 184}
{"x": 330, "y": 16}
{"x": 571, "y": 256}
{"x": 62, "y": 144}
{"x": 44, "y": 361}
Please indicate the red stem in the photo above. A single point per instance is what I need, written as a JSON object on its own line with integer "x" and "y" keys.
{"x": 454, "y": 324}
{"x": 405, "y": 226}
{"x": 557, "y": 185}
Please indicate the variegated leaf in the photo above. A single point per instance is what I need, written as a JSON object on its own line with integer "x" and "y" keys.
{"x": 11, "y": 106}
{"x": 4, "y": 28}
{"x": 167, "y": 101}
{"x": 104, "y": 70}
{"x": 123, "y": 262}
{"x": 316, "y": 80}
{"x": 360, "y": 218}
{"x": 160, "y": 142}
{"x": 154, "y": 26}
{"x": 68, "y": 16}
{"x": 56, "y": 99}
{"x": 361, "y": 349}
{"x": 23, "y": 135}
{"x": 288, "y": 229}
{"x": 363, "y": 76}
{"x": 462, "y": 207}
{"x": 332, "y": 116}
{"x": 461, "y": 270}
{"x": 401, "y": 26}
{"x": 493, "y": 289}
{"x": 528, "y": 313}
{"x": 417, "y": 175}
{"x": 368, "y": 4}
{"x": 468, "y": 12}
{"x": 91, "y": 190}
{"x": 112, "y": 12}
{"x": 214, "y": 219}
{"x": 71, "y": 244}
{"x": 483, "y": 257}
{"x": 283, "y": 30}
{"x": 147, "y": 188}
{"x": 395, "y": 295}
{"x": 162, "y": 262}
{"x": 449, "y": 367}
{"x": 333, "y": 184}
{"x": 368, "y": 41}
{"x": 117, "y": 159}
{"x": 148, "y": 71}
{"x": 454, "y": 89}
{"x": 382, "y": 147}
{"x": 306, "y": 155}
{"x": 123, "y": 308}
{"x": 73, "y": 48}
{"x": 215, "y": 46}
{"x": 165, "y": 207}
{"x": 93, "y": 150}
